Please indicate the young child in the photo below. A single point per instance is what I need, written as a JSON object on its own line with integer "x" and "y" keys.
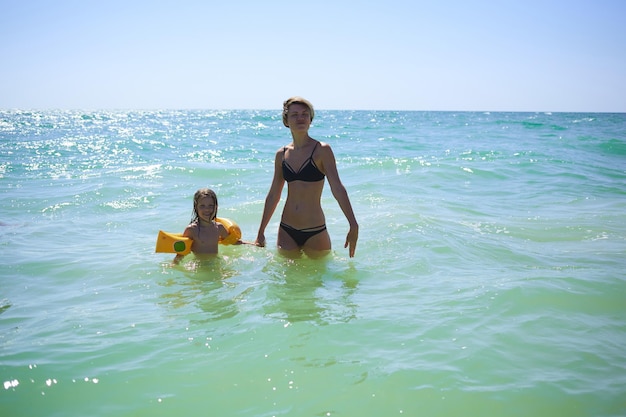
{"x": 203, "y": 229}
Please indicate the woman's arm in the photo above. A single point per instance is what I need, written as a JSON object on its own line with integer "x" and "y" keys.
{"x": 272, "y": 199}
{"x": 329, "y": 166}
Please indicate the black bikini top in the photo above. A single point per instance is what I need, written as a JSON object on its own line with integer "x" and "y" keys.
{"x": 308, "y": 172}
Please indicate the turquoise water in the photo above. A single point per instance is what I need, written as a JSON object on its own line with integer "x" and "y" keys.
{"x": 489, "y": 278}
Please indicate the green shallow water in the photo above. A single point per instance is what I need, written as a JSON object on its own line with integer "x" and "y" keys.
{"x": 489, "y": 276}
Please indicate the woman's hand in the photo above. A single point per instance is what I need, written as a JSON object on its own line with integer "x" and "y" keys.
{"x": 353, "y": 236}
{"x": 260, "y": 240}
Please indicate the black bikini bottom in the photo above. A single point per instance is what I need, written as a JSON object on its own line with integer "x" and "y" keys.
{"x": 300, "y": 236}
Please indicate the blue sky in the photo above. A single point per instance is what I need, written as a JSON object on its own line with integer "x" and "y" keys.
{"x": 525, "y": 55}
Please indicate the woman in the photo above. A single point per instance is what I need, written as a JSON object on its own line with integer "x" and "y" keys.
{"x": 304, "y": 164}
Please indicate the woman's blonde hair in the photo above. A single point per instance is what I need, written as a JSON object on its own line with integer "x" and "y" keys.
{"x": 296, "y": 100}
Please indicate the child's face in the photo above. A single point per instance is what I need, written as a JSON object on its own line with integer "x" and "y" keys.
{"x": 206, "y": 209}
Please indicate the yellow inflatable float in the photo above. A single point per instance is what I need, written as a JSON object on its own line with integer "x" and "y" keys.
{"x": 181, "y": 245}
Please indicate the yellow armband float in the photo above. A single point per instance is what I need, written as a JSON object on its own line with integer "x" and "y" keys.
{"x": 234, "y": 232}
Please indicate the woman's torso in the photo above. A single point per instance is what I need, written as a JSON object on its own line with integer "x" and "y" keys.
{"x": 305, "y": 184}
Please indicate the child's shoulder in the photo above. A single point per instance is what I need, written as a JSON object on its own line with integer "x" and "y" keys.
{"x": 192, "y": 228}
{"x": 192, "y": 225}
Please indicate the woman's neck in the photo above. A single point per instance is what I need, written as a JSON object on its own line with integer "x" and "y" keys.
{"x": 300, "y": 139}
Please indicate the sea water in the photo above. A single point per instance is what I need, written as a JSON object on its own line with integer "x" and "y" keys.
{"x": 489, "y": 276}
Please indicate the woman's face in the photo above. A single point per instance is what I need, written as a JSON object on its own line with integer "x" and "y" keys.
{"x": 299, "y": 117}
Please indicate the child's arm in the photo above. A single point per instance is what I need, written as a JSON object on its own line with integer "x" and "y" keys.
{"x": 224, "y": 234}
{"x": 187, "y": 233}
{"x": 243, "y": 242}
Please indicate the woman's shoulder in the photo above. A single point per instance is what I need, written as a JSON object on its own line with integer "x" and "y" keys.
{"x": 324, "y": 149}
{"x": 281, "y": 150}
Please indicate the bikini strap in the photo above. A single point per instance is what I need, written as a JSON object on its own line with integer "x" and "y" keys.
{"x": 310, "y": 157}
{"x": 314, "y": 148}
